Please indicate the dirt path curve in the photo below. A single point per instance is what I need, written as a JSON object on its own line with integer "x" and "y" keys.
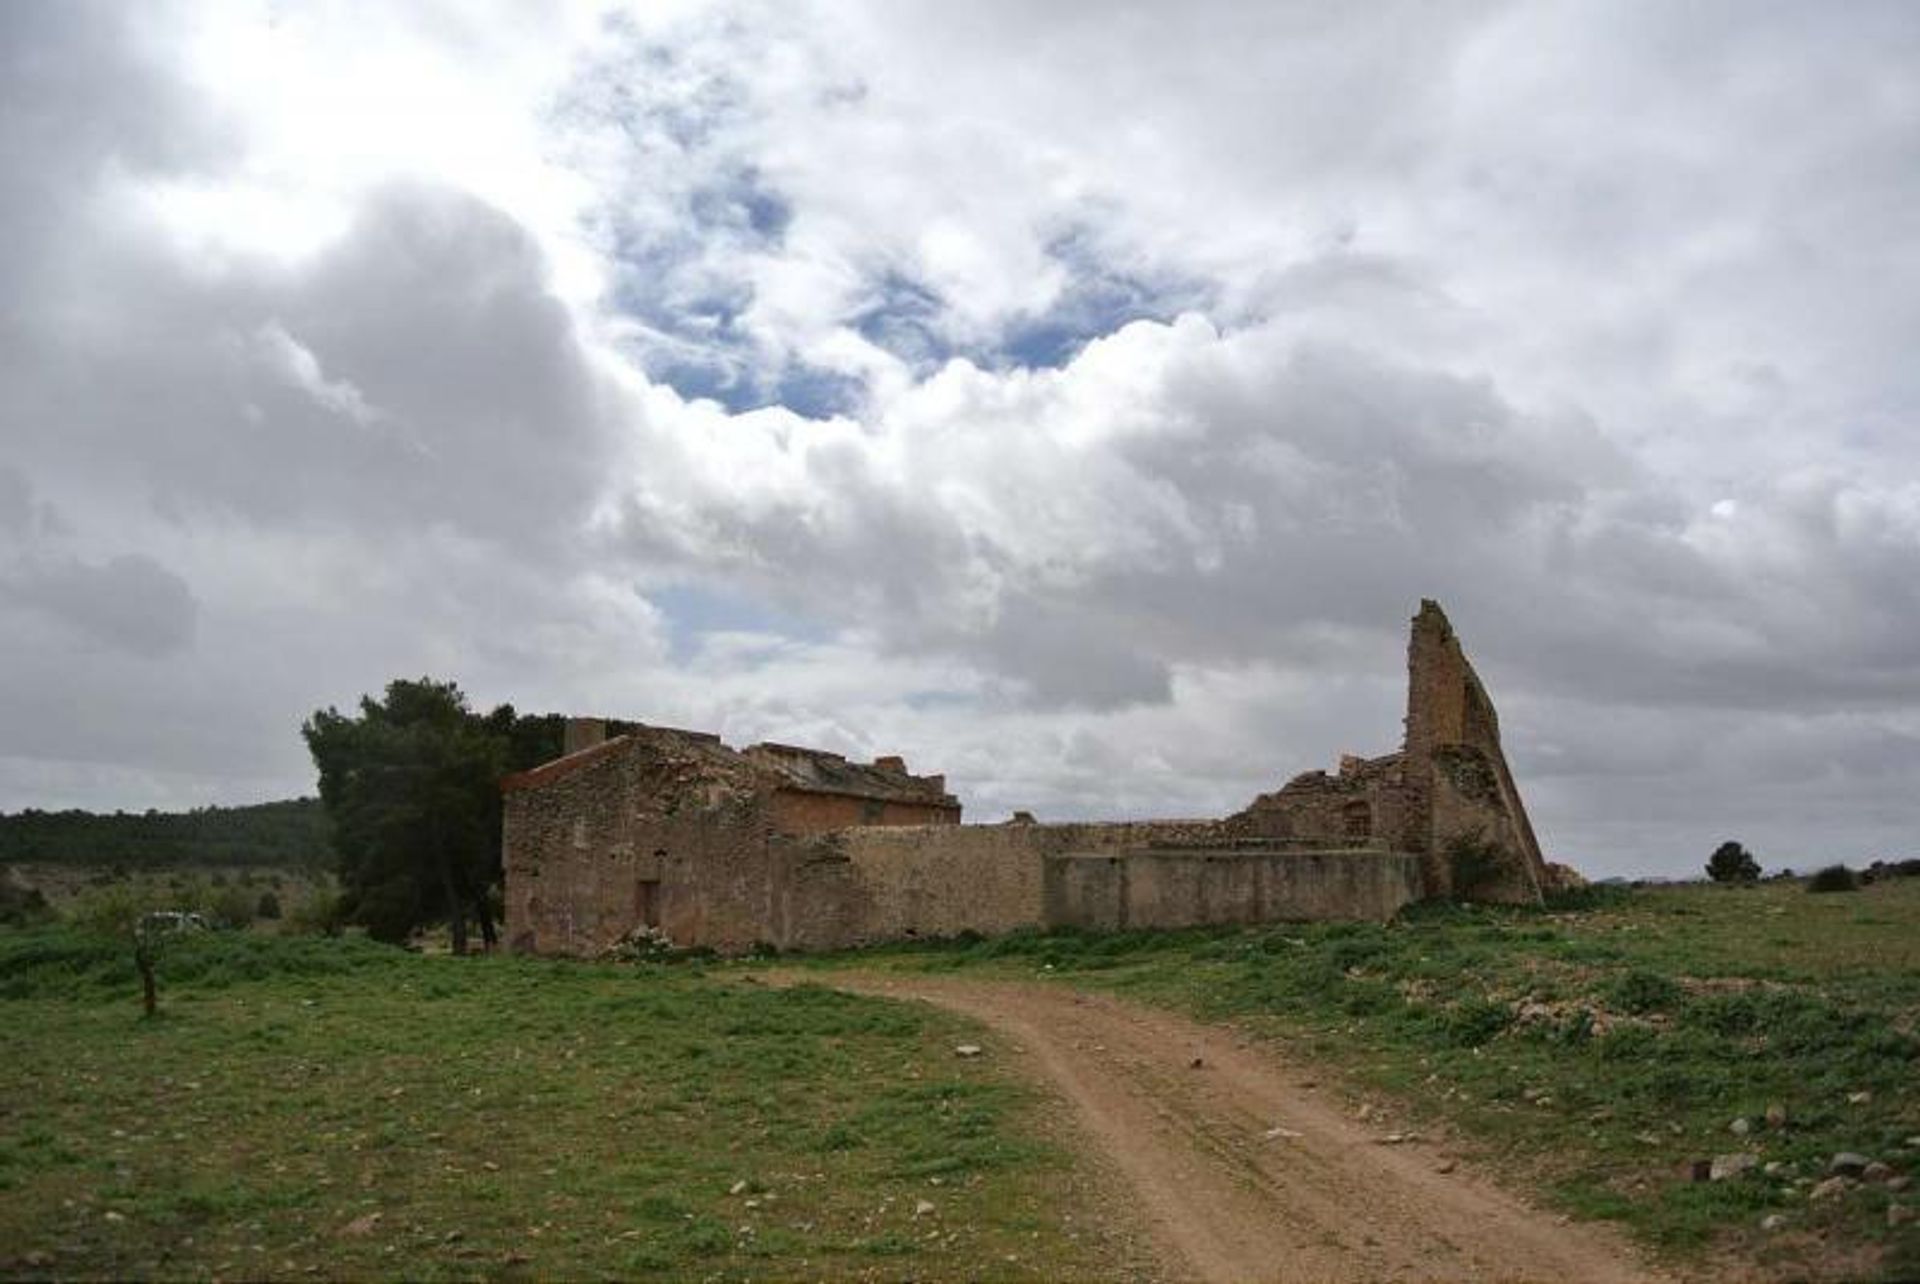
{"x": 1243, "y": 1169}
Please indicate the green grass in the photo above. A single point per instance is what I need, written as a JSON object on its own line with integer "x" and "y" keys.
{"x": 503, "y": 1118}
{"x": 1592, "y": 1052}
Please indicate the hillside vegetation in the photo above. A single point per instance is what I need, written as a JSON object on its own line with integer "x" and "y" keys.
{"x": 286, "y": 835}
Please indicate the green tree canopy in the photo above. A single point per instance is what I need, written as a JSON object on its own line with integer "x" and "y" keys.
{"x": 1732, "y": 863}
{"x": 411, "y": 783}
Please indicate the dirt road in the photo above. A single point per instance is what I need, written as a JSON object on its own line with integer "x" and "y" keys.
{"x": 1244, "y": 1167}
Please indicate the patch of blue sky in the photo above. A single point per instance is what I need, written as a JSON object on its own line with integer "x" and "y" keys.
{"x": 678, "y": 288}
{"x": 817, "y": 393}
{"x": 902, "y": 316}
{"x": 693, "y": 612}
{"x": 1096, "y": 302}
{"x": 905, "y": 317}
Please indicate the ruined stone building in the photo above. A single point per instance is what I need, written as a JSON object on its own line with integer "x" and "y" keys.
{"x": 803, "y": 849}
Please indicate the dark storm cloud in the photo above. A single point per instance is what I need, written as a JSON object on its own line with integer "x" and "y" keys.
{"x": 416, "y": 373}
{"x": 131, "y": 602}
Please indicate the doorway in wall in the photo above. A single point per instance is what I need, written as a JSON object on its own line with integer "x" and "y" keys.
{"x": 646, "y": 902}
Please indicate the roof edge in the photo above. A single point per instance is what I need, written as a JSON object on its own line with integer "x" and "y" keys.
{"x": 548, "y": 772}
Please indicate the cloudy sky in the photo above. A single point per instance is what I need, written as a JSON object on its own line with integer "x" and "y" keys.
{"x": 1077, "y": 398}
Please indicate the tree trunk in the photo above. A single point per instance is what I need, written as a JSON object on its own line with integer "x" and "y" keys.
{"x": 456, "y": 911}
{"x": 488, "y": 936}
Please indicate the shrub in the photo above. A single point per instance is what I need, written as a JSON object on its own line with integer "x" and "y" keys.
{"x": 233, "y": 905}
{"x": 317, "y": 914}
{"x": 1475, "y": 861}
{"x": 269, "y": 906}
{"x": 1473, "y": 1021}
{"x": 1732, "y": 863}
{"x": 22, "y": 906}
{"x": 1834, "y": 878}
{"x": 1641, "y": 991}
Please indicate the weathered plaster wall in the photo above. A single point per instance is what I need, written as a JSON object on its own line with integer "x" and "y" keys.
{"x": 1182, "y": 888}
{"x": 811, "y": 813}
{"x": 942, "y": 880}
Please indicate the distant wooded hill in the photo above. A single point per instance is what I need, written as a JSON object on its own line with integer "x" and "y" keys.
{"x": 287, "y": 834}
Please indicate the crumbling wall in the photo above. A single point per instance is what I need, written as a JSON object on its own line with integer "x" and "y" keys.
{"x": 1369, "y": 802}
{"x": 802, "y": 812}
{"x": 658, "y": 830}
{"x": 802, "y": 849}
{"x": 1470, "y": 800}
{"x": 1447, "y": 796}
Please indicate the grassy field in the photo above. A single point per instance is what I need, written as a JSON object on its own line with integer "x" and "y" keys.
{"x": 329, "y": 1107}
{"x": 1593, "y": 1053}
{"x": 313, "y": 1107}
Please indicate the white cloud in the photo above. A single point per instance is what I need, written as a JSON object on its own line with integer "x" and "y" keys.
{"x": 1076, "y": 398}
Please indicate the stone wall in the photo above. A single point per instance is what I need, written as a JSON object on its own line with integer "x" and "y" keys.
{"x": 1375, "y": 801}
{"x": 1160, "y": 888}
{"x": 804, "y": 850}
{"x": 799, "y": 812}
{"x": 670, "y": 833}
{"x": 1447, "y": 795}
{"x": 942, "y": 880}
{"x": 1468, "y": 791}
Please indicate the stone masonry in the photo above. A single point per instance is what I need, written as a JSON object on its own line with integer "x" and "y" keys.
{"x": 802, "y": 849}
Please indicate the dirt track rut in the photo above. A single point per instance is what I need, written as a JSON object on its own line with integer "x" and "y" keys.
{"x": 1242, "y": 1169}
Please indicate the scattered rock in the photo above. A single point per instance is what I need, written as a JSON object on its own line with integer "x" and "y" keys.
{"x": 1902, "y": 1214}
{"x": 1776, "y": 1115}
{"x": 1848, "y": 1164}
{"x": 1876, "y": 1171}
{"x": 1900, "y": 1182}
{"x": 362, "y": 1225}
{"x": 114, "y": 1215}
{"x": 1774, "y": 1168}
{"x": 1446, "y": 1165}
{"x": 1727, "y": 1167}
{"x": 1276, "y": 1132}
{"x": 490, "y": 1166}
{"x": 738, "y": 1187}
{"x": 1773, "y": 1222}
{"x": 1740, "y": 1127}
{"x": 1859, "y": 1098}
{"x": 1831, "y": 1188}
{"x": 922, "y": 1208}
{"x": 967, "y": 1050}
{"x": 1198, "y": 1063}
{"x": 1364, "y": 1112}
{"x": 38, "y": 1259}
